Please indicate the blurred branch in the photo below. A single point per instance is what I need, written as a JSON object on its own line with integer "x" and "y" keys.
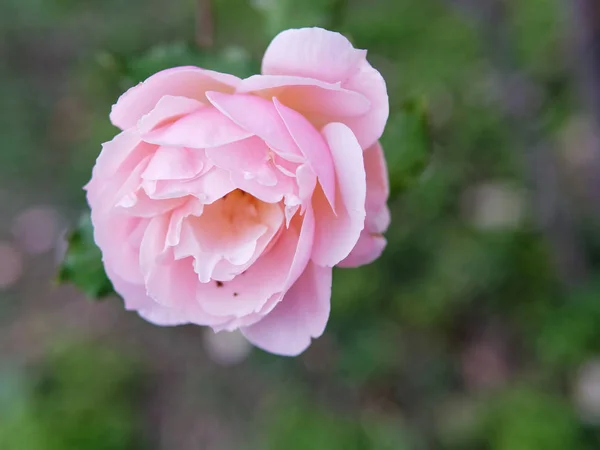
{"x": 586, "y": 42}
{"x": 204, "y": 24}
{"x": 586, "y": 26}
{"x": 521, "y": 107}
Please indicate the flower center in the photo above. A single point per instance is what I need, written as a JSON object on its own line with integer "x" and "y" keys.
{"x": 229, "y": 235}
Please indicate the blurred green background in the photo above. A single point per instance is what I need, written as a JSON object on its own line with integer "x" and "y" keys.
{"x": 478, "y": 329}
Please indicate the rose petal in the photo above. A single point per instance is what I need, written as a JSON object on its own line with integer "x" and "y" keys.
{"x": 369, "y": 82}
{"x": 300, "y": 316}
{"x": 208, "y": 187}
{"x": 258, "y": 116}
{"x": 336, "y": 235}
{"x": 329, "y": 56}
{"x": 175, "y": 163}
{"x": 378, "y": 189}
{"x": 123, "y": 153}
{"x": 313, "y": 98}
{"x": 371, "y": 243}
{"x": 168, "y": 109}
{"x": 190, "y": 82}
{"x": 369, "y": 247}
{"x": 204, "y": 128}
{"x": 249, "y": 157}
{"x": 313, "y": 147}
{"x": 249, "y": 291}
{"x": 313, "y": 53}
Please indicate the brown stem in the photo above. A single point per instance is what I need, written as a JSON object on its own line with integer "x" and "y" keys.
{"x": 586, "y": 28}
{"x": 204, "y": 24}
{"x": 586, "y": 46}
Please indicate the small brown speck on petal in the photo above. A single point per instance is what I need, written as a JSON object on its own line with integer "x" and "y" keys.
{"x": 219, "y": 284}
{"x": 235, "y": 294}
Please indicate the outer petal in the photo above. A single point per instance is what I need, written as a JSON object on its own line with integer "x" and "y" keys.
{"x": 191, "y": 82}
{"x": 309, "y": 96}
{"x": 369, "y": 247}
{"x": 378, "y": 189}
{"x": 312, "y": 52}
{"x": 337, "y": 234}
{"x": 369, "y": 82}
{"x": 371, "y": 243}
{"x": 168, "y": 109}
{"x": 330, "y": 57}
{"x": 313, "y": 147}
{"x": 300, "y": 316}
{"x": 123, "y": 153}
{"x": 137, "y": 299}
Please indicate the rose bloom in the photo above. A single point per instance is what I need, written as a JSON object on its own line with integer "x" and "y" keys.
{"x": 227, "y": 202}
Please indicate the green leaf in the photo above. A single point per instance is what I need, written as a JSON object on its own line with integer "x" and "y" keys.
{"x": 408, "y": 144}
{"x": 82, "y": 264}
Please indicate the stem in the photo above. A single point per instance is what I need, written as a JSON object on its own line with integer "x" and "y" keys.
{"x": 586, "y": 27}
{"x": 586, "y": 46}
{"x": 204, "y": 24}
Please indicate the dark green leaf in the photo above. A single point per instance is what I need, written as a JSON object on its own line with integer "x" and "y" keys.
{"x": 408, "y": 145}
{"x": 82, "y": 264}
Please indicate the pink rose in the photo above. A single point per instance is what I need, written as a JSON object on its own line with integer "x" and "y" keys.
{"x": 226, "y": 202}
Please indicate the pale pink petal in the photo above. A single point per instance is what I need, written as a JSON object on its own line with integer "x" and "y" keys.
{"x": 120, "y": 191}
{"x": 204, "y": 128}
{"x": 304, "y": 248}
{"x": 173, "y": 286}
{"x": 269, "y": 194}
{"x": 168, "y": 109}
{"x": 249, "y": 157}
{"x": 371, "y": 243}
{"x": 192, "y": 207}
{"x": 369, "y": 82}
{"x": 329, "y": 56}
{"x": 191, "y": 82}
{"x": 307, "y": 182}
{"x": 258, "y": 116}
{"x": 336, "y": 235}
{"x": 208, "y": 187}
{"x": 153, "y": 245}
{"x": 136, "y": 298}
{"x": 175, "y": 163}
{"x": 378, "y": 189}
{"x": 113, "y": 235}
{"x": 140, "y": 205}
{"x": 234, "y": 230}
{"x": 299, "y": 317}
{"x": 312, "y": 52}
{"x": 123, "y": 153}
{"x": 249, "y": 291}
{"x": 313, "y": 98}
{"x": 255, "y": 292}
{"x": 133, "y": 294}
{"x": 369, "y": 247}
{"x": 313, "y": 147}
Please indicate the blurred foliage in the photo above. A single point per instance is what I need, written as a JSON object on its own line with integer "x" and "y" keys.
{"x": 82, "y": 263}
{"x": 299, "y": 424}
{"x": 81, "y": 396}
{"x": 460, "y": 337}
